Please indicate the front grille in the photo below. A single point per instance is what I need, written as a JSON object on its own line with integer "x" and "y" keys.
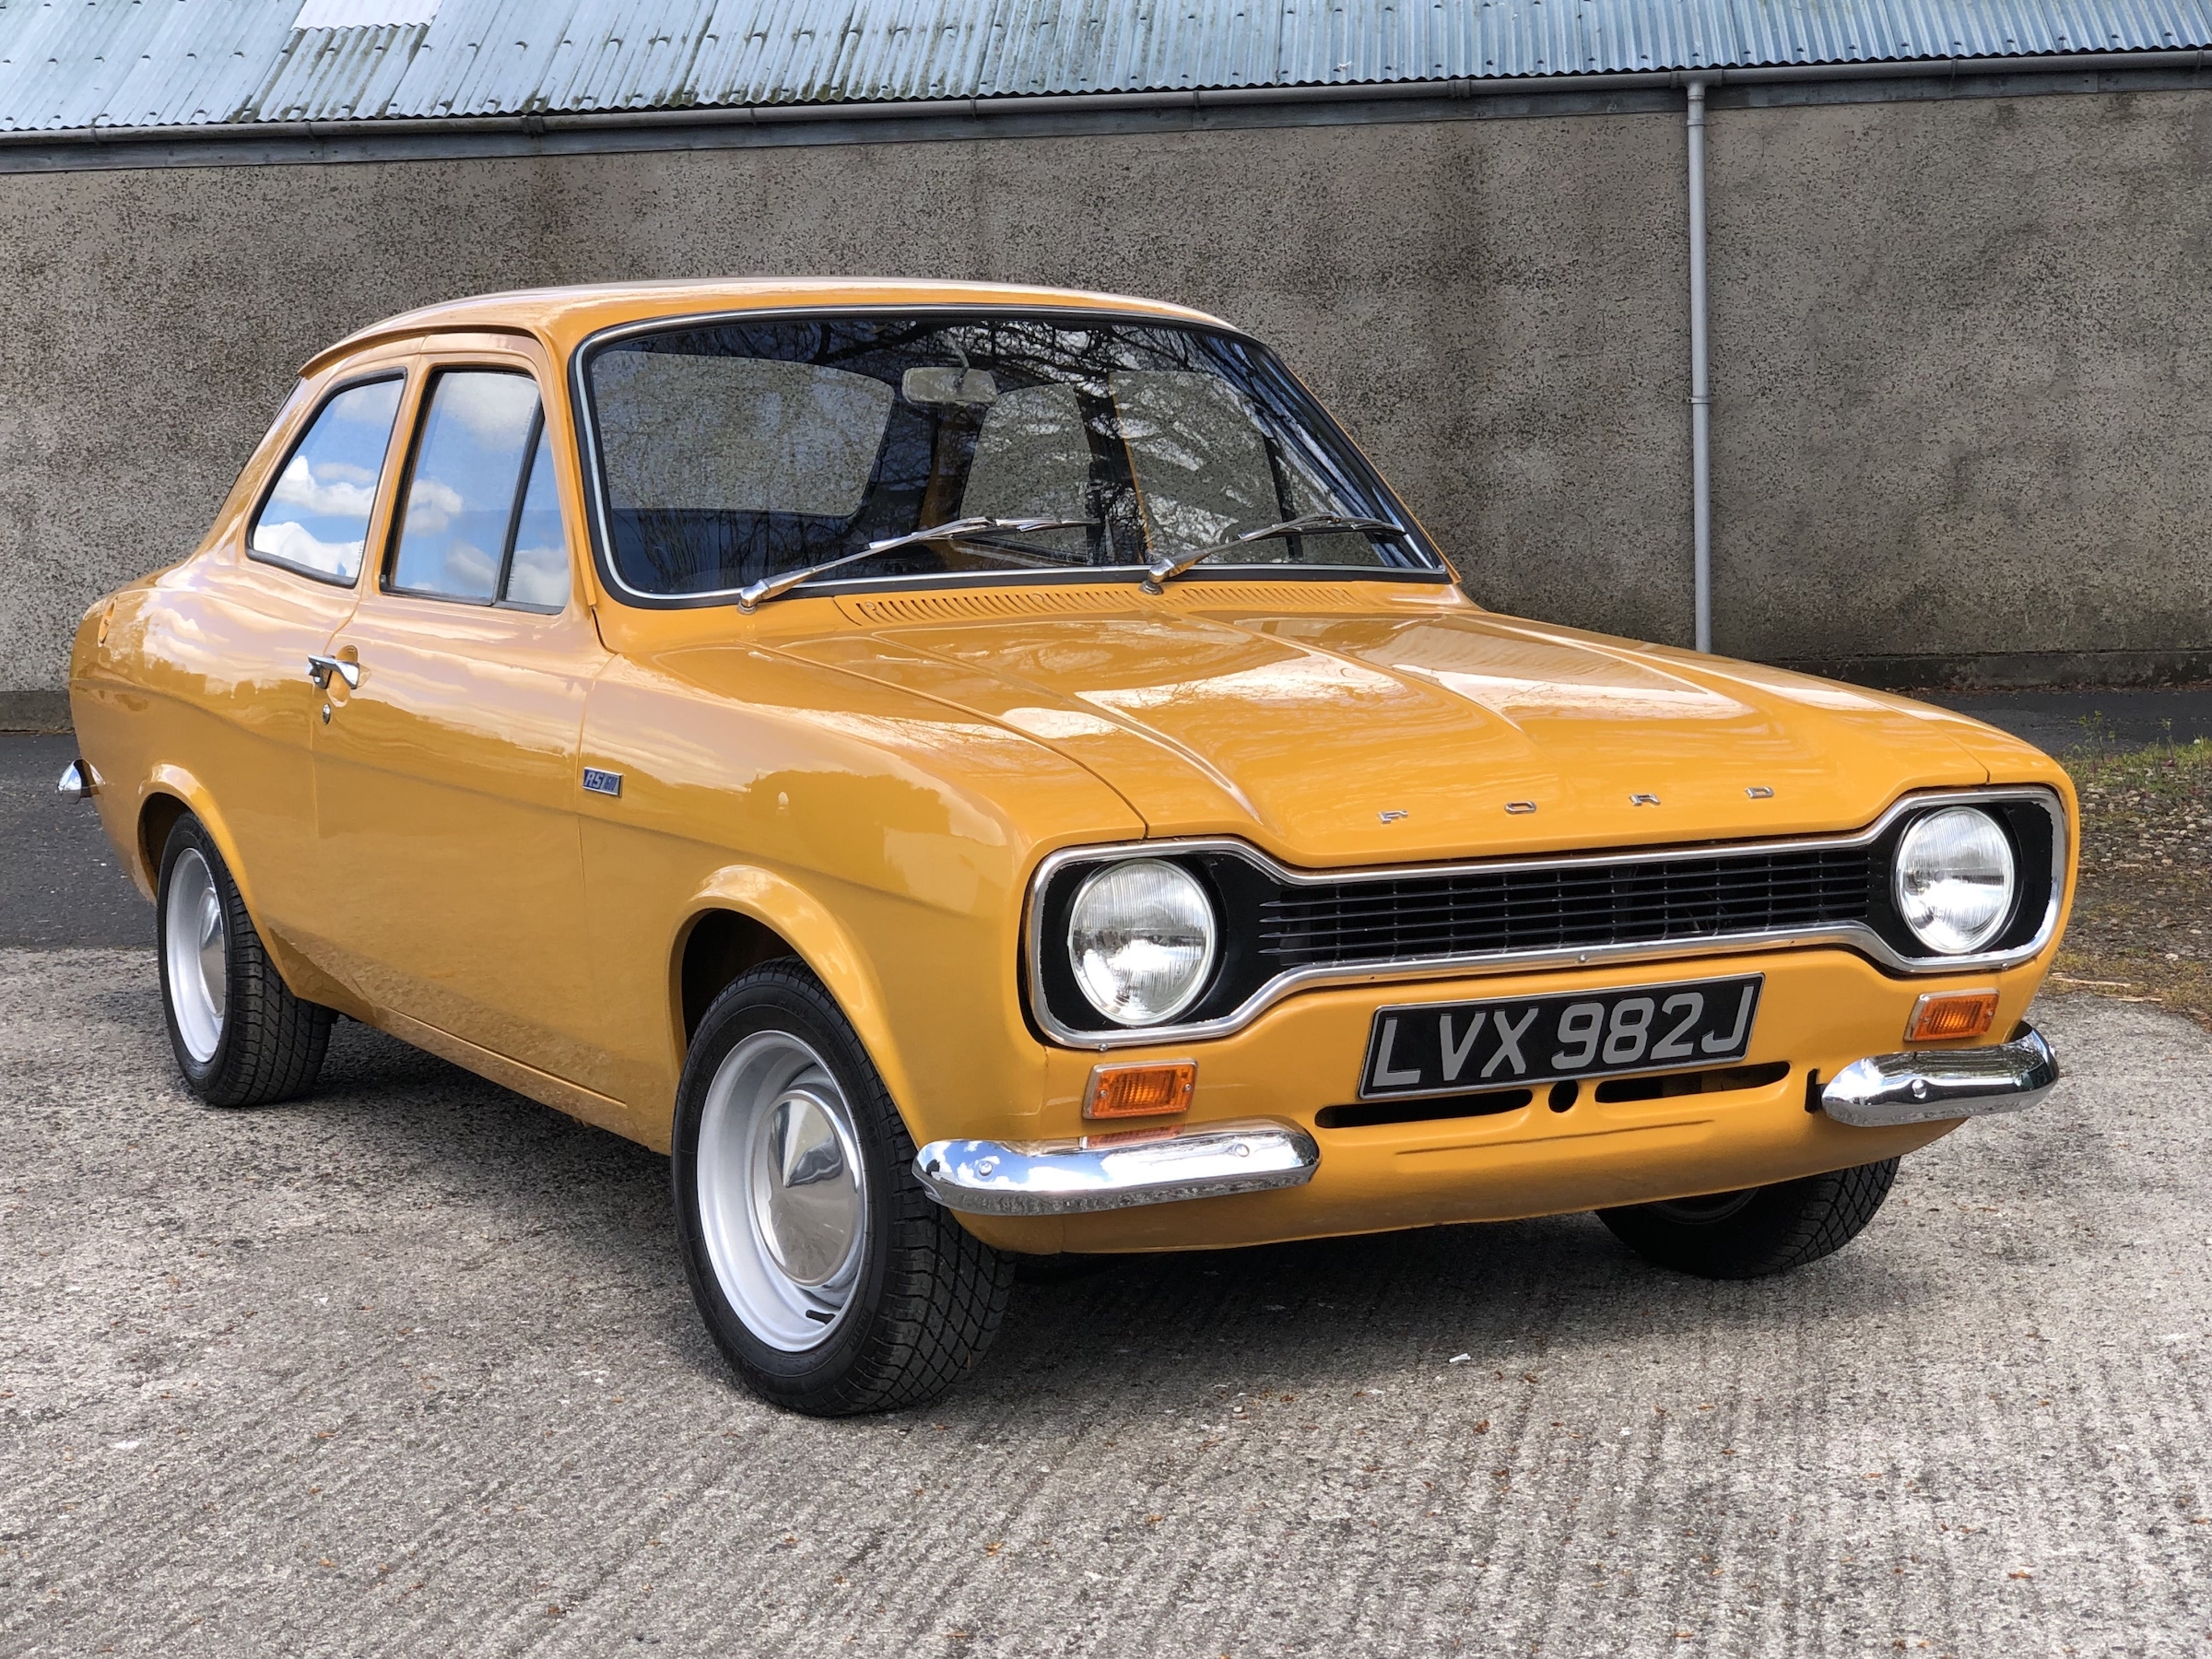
{"x": 1570, "y": 907}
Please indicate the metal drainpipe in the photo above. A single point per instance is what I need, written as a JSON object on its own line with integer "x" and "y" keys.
{"x": 1701, "y": 393}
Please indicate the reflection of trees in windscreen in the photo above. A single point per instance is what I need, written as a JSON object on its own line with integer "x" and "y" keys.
{"x": 738, "y": 451}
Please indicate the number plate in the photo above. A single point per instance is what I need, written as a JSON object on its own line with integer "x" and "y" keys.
{"x": 1459, "y": 1047}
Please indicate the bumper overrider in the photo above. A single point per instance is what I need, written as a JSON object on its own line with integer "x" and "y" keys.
{"x": 1211, "y": 1160}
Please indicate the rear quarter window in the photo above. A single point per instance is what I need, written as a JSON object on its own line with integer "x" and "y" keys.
{"x": 315, "y": 519}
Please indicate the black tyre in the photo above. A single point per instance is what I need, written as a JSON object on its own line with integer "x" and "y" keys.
{"x": 829, "y": 1278}
{"x": 1756, "y": 1231}
{"x": 240, "y": 1037}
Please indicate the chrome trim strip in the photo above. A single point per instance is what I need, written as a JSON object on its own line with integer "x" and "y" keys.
{"x": 1855, "y": 934}
{"x": 1929, "y": 1085}
{"x": 1116, "y": 1172}
{"x": 584, "y": 423}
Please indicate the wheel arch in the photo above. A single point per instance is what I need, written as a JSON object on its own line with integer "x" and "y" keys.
{"x": 746, "y": 917}
{"x": 169, "y": 793}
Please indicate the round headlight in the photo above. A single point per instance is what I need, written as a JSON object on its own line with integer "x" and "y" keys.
{"x": 1955, "y": 879}
{"x": 1140, "y": 937}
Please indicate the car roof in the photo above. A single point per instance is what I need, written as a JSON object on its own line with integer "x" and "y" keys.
{"x": 562, "y": 317}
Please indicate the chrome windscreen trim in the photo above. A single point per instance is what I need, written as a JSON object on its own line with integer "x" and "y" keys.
{"x": 1856, "y": 935}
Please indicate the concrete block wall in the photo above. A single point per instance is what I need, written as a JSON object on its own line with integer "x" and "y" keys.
{"x": 1958, "y": 346}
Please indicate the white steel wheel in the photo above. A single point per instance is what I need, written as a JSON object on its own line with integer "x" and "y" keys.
{"x": 826, "y": 1275}
{"x": 196, "y": 944}
{"x": 781, "y": 1191}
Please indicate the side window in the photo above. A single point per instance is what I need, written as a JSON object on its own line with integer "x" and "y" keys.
{"x": 316, "y": 518}
{"x": 538, "y": 573}
{"x": 481, "y": 522}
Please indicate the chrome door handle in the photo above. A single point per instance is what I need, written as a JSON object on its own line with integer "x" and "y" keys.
{"x": 320, "y": 669}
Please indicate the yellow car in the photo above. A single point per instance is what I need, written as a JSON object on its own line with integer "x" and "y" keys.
{"x": 978, "y": 773}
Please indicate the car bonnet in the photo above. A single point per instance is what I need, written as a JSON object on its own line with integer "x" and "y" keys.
{"x": 1367, "y": 722}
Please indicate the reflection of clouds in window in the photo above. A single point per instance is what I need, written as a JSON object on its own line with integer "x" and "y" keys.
{"x": 327, "y": 497}
{"x": 496, "y": 409}
{"x": 317, "y": 515}
{"x": 461, "y": 494}
{"x": 469, "y": 570}
{"x": 539, "y": 572}
{"x": 294, "y": 545}
{"x": 540, "y": 576}
{"x": 431, "y": 505}
{"x": 371, "y": 405}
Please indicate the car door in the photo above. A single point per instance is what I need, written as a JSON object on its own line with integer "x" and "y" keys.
{"x": 243, "y": 635}
{"x": 446, "y": 772}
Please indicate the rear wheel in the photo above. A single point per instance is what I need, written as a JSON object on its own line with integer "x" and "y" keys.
{"x": 240, "y": 1037}
{"x": 829, "y": 1278}
{"x": 1758, "y": 1230}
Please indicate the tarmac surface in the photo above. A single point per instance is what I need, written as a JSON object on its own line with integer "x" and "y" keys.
{"x": 410, "y": 1368}
{"x": 60, "y": 881}
{"x": 2065, "y": 722}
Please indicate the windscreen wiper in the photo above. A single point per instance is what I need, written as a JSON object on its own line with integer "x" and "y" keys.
{"x": 755, "y": 593}
{"x": 1166, "y": 567}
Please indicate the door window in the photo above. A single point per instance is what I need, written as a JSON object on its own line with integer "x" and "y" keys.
{"x": 316, "y": 518}
{"x": 481, "y": 522}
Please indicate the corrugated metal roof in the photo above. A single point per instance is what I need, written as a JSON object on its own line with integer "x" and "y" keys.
{"x": 76, "y": 63}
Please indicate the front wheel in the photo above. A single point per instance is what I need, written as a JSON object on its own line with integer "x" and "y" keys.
{"x": 1758, "y": 1230}
{"x": 825, "y": 1272}
{"x": 240, "y": 1035}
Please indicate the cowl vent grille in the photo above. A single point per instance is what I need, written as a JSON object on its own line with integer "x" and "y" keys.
{"x": 987, "y": 605}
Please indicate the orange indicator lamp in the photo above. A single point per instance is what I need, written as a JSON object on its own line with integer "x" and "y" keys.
{"x": 1147, "y": 1089}
{"x": 1941, "y": 1016}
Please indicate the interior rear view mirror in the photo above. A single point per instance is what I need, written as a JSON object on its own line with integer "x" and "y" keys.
{"x": 941, "y": 386}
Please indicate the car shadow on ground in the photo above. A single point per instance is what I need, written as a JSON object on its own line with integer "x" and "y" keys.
{"x": 1321, "y": 1313}
{"x": 1345, "y": 1312}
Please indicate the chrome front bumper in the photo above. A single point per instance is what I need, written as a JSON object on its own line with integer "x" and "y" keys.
{"x": 1115, "y": 1171}
{"x": 1922, "y": 1087}
{"x": 1210, "y": 1161}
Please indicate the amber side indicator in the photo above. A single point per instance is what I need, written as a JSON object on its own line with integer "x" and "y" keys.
{"x": 1944, "y": 1014}
{"x": 1149, "y": 1088}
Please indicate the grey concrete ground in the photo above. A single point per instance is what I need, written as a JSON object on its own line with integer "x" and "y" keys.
{"x": 410, "y": 1368}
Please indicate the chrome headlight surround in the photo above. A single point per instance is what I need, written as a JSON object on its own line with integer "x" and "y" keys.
{"x": 1955, "y": 879}
{"x": 1142, "y": 936}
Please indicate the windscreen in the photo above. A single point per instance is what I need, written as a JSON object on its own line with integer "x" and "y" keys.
{"x": 735, "y": 451}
